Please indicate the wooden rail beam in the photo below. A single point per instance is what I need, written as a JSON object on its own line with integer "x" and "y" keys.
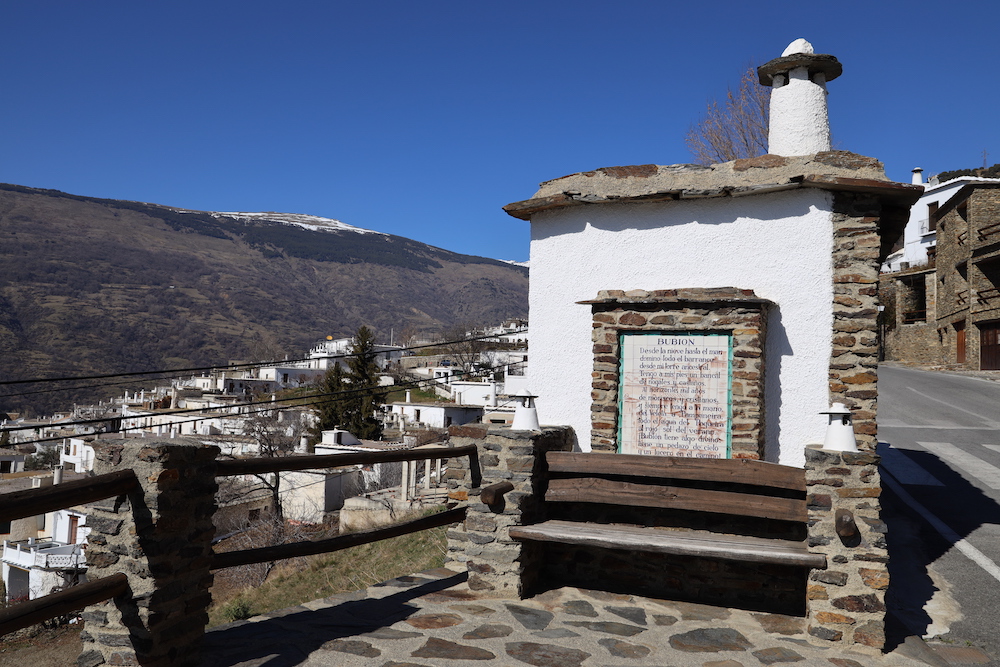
{"x": 258, "y": 466}
{"x": 56, "y": 604}
{"x": 309, "y": 548}
{"x": 32, "y": 502}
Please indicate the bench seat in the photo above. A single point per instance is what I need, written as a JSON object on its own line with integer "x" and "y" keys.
{"x": 685, "y": 543}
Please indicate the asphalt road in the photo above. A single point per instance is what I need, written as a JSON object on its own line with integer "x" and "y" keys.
{"x": 941, "y": 499}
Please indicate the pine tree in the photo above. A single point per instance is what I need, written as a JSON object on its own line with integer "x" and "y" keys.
{"x": 353, "y": 398}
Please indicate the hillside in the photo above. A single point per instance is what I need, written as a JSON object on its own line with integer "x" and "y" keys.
{"x": 100, "y": 286}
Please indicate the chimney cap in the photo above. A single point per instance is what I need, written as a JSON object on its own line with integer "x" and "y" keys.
{"x": 816, "y": 62}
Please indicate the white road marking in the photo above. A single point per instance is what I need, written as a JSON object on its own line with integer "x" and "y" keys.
{"x": 889, "y": 423}
{"x": 995, "y": 448}
{"x": 989, "y": 421}
{"x": 970, "y": 463}
{"x": 905, "y": 469}
{"x": 971, "y": 552}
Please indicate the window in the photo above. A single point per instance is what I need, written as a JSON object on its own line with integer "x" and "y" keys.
{"x": 932, "y": 217}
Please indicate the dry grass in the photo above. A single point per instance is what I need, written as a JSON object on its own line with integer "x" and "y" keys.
{"x": 315, "y": 577}
{"x": 42, "y": 648}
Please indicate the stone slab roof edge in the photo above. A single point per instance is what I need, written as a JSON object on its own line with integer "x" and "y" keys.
{"x": 829, "y": 170}
{"x": 700, "y": 295}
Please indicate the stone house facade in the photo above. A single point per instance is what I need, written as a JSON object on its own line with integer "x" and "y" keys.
{"x": 949, "y": 313}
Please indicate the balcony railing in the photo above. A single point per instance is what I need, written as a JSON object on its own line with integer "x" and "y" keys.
{"x": 48, "y": 555}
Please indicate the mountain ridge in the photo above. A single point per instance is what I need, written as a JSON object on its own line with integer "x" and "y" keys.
{"x": 90, "y": 285}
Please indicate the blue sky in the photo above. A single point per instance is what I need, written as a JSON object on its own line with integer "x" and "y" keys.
{"x": 423, "y": 118}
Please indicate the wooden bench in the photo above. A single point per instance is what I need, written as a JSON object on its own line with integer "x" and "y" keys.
{"x": 735, "y": 509}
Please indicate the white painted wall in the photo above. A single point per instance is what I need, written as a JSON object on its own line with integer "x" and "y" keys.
{"x": 779, "y": 245}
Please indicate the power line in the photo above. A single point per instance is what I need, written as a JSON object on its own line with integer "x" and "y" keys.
{"x": 256, "y": 364}
{"x": 328, "y": 397}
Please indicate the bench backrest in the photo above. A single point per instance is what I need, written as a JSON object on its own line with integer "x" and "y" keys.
{"x": 741, "y": 487}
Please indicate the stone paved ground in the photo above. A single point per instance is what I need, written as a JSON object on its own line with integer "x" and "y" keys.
{"x": 432, "y": 619}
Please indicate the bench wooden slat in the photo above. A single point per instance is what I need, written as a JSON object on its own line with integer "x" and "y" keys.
{"x": 685, "y": 543}
{"x": 738, "y": 471}
{"x": 597, "y": 490}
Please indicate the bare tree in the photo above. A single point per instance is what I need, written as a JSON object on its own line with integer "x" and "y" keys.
{"x": 273, "y": 438}
{"x": 464, "y": 346}
{"x": 735, "y": 128}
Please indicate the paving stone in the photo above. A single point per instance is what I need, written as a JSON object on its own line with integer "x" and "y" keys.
{"x": 609, "y": 627}
{"x": 405, "y": 581}
{"x": 845, "y": 662}
{"x": 769, "y": 656}
{"x": 393, "y": 663}
{"x": 722, "y": 663}
{"x": 634, "y": 614}
{"x": 434, "y": 621}
{"x": 781, "y": 624}
{"x": 532, "y": 619}
{"x": 352, "y": 646}
{"x": 440, "y": 648}
{"x": 700, "y": 612}
{"x": 604, "y": 596}
{"x": 580, "y": 608}
{"x": 710, "y": 639}
{"x": 664, "y": 619}
{"x": 489, "y": 632}
{"x": 546, "y": 655}
{"x": 440, "y": 573}
{"x": 391, "y": 633}
{"x": 474, "y": 609}
{"x": 556, "y": 633}
{"x": 620, "y": 649}
{"x": 449, "y": 596}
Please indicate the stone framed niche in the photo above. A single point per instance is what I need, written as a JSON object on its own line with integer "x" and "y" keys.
{"x": 694, "y": 314}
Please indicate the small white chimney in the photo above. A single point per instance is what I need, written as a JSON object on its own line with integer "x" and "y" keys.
{"x": 525, "y": 414}
{"x": 918, "y": 176}
{"x": 800, "y": 124}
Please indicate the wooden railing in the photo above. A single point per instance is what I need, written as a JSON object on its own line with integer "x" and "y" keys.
{"x": 914, "y": 316}
{"x": 987, "y": 231}
{"x": 32, "y": 502}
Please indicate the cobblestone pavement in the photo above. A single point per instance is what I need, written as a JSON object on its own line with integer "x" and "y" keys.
{"x": 432, "y": 618}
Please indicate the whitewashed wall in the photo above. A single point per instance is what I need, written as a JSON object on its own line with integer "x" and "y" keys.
{"x": 778, "y": 245}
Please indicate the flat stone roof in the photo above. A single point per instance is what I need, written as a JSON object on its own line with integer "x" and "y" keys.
{"x": 828, "y": 170}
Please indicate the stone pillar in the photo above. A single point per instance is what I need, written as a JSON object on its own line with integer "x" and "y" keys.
{"x": 160, "y": 536}
{"x": 846, "y": 601}
{"x": 498, "y": 564}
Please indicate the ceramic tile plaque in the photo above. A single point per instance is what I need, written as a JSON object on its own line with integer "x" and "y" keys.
{"x": 674, "y": 394}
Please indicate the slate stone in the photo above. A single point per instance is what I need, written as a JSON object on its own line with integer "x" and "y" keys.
{"x": 620, "y": 649}
{"x": 845, "y": 662}
{"x": 405, "y": 582}
{"x": 828, "y": 634}
{"x": 769, "y": 656}
{"x": 546, "y": 655}
{"x": 700, "y": 612}
{"x": 555, "y": 633}
{"x": 604, "y": 596}
{"x": 580, "y": 608}
{"x": 440, "y": 648}
{"x": 710, "y": 640}
{"x": 781, "y": 624}
{"x": 489, "y": 632}
{"x": 532, "y": 619}
{"x": 722, "y": 663}
{"x": 352, "y": 646}
{"x": 869, "y": 603}
{"x": 664, "y": 619}
{"x": 391, "y": 633}
{"x": 393, "y": 663}
{"x": 634, "y": 614}
{"x": 474, "y": 609}
{"x": 434, "y": 621}
{"x": 609, "y": 627}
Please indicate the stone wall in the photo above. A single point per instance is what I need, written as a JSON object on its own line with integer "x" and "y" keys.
{"x": 160, "y": 537}
{"x": 497, "y": 563}
{"x": 854, "y": 358}
{"x": 736, "y": 312}
{"x": 847, "y": 600}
